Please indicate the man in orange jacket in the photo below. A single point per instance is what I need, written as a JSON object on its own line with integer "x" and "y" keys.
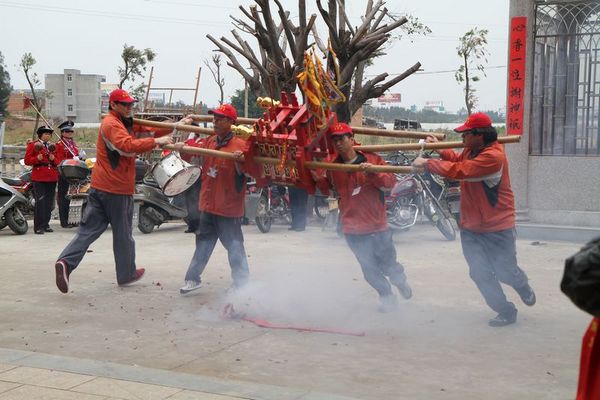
{"x": 110, "y": 199}
{"x": 487, "y": 214}
{"x": 363, "y": 216}
{"x": 222, "y": 203}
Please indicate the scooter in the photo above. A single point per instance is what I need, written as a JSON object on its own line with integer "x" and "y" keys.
{"x": 23, "y": 185}
{"x": 154, "y": 207}
{"x": 12, "y": 208}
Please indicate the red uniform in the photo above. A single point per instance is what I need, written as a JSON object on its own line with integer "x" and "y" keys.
{"x": 362, "y": 207}
{"x": 484, "y": 207}
{"x": 44, "y": 170}
{"x": 120, "y": 180}
{"x": 66, "y": 149}
{"x": 219, "y": 194}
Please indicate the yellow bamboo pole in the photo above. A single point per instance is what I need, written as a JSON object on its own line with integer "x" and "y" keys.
{"x": 275, "y": 161}
{"x": 249, "y": 121}
{"x": 428, "y": 146}
{"x": 358, "y": 130}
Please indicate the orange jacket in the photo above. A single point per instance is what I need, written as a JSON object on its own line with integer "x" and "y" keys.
{"x": 487, "y": 202}
{"x": 589, "y": 369}
{"x": 44, "y": 170}
{"x": 361, "y": 199}
{"x": 219, "y": 194}
{"x": 120, "y": 180}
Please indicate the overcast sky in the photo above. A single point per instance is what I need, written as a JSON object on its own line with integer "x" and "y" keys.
{"x": 89, "y": 36}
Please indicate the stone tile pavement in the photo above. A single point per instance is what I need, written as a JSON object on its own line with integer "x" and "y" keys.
{"x": 30, "y": 375}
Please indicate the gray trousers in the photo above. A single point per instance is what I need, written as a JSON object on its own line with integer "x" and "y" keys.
{"x": 104, "y": 208}
{"x": 377, "y": 257}
{"x": 492, "y": 259}
{"x": 229, "y": 231}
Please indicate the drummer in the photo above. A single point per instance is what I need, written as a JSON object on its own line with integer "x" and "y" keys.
{"x": 65, "y": 149}
{"x": 110, "y": 199}
{"x": 222, "y": 203}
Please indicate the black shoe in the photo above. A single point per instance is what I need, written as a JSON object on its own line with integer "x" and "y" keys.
{"x": 38, "y": 232}
{"x": 503, "y": 320}
{"x": 527, "y": 295}
{"x": 295, "y": 229}
{"x": 48, "y": 230}
{"x": 189, "y": 230}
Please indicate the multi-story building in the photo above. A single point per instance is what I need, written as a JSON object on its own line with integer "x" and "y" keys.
{"x": 74, "y": 96}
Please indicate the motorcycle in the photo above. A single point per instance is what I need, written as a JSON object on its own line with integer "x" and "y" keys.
{"x": 13, "y": 205}
{"x": 273, "y": 203}
{"x": 446, "y": 191}
{"x": 78, "y": 174}
{"x": 412, "y": 197}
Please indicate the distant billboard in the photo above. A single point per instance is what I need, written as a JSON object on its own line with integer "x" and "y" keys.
{"x": 389, "y": 98}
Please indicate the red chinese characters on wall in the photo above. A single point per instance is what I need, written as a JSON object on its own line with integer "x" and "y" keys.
{"x": 516, "y": 76}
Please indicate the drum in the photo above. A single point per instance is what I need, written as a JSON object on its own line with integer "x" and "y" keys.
{"x": 173, "y": 175}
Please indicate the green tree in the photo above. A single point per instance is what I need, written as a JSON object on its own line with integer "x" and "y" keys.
{"x": 135, "y": 63}
{"x": 26, "y": 65}
{"x": 237, "y": 100}
{"x": 473, "y": 53}
{"x": 5, "y": 87}
{"x": 216, "y": 73}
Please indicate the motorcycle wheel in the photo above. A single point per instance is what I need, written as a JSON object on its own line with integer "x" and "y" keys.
{"x": 262, "y": 219}
{"x": 321, "y": 207}
{"x": 145, "y": 223}
{"x": 445, "y": 226}
{"x": 2, "y": 224}
{"x": 16, "y": 221}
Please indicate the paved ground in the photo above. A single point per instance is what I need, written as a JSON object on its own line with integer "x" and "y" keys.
{"x": 436, "y": 346}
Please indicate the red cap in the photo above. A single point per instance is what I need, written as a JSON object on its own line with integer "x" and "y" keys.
{"x": 121, "y": 96}
{"x": 225, "y": 110}
{"x": 339, "y": 128}
{"x": 477, "y": 120}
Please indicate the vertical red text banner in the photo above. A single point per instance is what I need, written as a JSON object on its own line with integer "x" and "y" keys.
{"x": 516, "y": 76}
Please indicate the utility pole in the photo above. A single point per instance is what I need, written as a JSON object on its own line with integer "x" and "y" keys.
{"x": 245, "y": 99}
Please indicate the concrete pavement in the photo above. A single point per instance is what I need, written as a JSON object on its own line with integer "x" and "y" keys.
{"x": 436, "y": 346}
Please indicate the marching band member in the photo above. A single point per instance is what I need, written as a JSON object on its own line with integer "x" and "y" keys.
{"x": 110, "y": 198}
{"x": 65, "y": 149}
{"x": 222, "y": 203}
{"x": 363, "y": 217}
{"x": 41, "y": 155}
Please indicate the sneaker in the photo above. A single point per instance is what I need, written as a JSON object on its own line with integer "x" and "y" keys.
{"x": 189, "y": 287}
{"x": 527, "y": 295}
{"x": 48, "y": 230}
{"x": 139, "y": 274}
{"x": 387, "y": 303}
{"x": 503, "y": 320}
{"x": 405, "y": 289}
{"x": 62, "y": 276}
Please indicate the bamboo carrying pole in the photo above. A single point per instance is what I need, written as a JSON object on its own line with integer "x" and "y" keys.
{"x": 275, "y": 161}
{"x": 358, "y": 130}
{"x": 429, "y": 146}
{"x": 250, "y": 121}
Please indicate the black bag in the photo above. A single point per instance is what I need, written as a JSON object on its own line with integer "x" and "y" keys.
{"x": 581, "y": 279}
